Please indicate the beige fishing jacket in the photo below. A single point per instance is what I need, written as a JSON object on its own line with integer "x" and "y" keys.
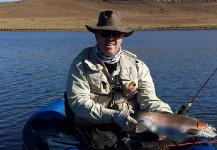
{"x": 92, "y": 94}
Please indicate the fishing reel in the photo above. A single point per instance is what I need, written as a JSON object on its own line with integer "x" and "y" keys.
{"x": 184, "y": 109}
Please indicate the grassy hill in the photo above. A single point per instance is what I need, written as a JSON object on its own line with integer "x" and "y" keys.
{"x": 43, "y": 15}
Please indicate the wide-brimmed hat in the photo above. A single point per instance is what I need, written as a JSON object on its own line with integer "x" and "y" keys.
{"x": 111, "y": 21}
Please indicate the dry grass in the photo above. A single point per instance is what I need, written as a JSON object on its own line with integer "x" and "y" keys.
{"x": 34, "y": 15}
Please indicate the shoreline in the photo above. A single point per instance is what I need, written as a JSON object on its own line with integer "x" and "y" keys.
{"x": 73, "y": 15}
{"x": 83, "y": 30}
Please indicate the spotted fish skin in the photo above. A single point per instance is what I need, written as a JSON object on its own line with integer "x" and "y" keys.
{"x": 176, "y": 128}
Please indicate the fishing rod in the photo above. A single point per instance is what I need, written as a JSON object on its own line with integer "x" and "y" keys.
{"x": 184, "y": 109}
{"x": 189, "y": 143}
{"x": 178, "y": 145}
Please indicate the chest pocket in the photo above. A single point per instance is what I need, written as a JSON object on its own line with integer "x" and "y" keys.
{"x": 96, "y": 78}
{"x": 129, "y": 78}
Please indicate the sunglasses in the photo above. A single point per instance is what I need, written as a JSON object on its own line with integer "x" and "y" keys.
{"x": 113, "y": 34}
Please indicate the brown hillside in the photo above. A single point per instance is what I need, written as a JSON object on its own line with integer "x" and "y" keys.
{"x": 140, "y": 15}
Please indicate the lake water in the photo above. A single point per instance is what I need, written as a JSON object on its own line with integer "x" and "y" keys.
{"x": 34, "y": 68}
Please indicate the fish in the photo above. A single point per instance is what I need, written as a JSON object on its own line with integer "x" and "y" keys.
{"x": 176, "y": 128}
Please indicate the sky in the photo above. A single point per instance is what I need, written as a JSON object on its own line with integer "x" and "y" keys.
{"x": 8, "y": 0}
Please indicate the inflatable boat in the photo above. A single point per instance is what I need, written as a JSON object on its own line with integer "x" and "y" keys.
{"x": 41, "y": 131}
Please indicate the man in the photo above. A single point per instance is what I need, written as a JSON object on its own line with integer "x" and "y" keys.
{"x": 106, "y": 84}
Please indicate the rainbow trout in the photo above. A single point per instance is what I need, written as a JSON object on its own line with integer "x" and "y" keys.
{"x": 176, "y": 128}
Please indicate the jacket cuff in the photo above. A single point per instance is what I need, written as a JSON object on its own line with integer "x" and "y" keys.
{"x": 108, "y": 115}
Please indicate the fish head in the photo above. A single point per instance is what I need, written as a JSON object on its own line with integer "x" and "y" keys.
{"x": 206, "y": 130}
{"x": 202, "y": 130}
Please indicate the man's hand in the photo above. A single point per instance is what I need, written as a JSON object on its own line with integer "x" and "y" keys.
{"x": 124, "y": 120}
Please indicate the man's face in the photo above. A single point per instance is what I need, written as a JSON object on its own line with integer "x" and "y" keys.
{"x": 109, "y": 42}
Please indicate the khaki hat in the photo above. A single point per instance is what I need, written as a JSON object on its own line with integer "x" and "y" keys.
{"x": 111, "y": 21}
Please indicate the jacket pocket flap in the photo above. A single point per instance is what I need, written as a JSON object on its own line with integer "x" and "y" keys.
{"x": 95, "y": 67}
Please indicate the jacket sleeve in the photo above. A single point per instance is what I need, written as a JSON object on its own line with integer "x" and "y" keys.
{"x": 146, "y": 96}
{"x": 78, "y": 94}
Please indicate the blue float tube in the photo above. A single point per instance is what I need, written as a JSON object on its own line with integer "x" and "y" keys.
{"x": 203, "y": 148}
{"x": 53, "y": 110}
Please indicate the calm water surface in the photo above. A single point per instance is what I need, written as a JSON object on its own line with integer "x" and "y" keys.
{"x": 34, "y": 68}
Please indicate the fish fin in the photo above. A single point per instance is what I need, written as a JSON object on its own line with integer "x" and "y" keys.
{"x": 140, "y": 127}
{"x": 192, "y": 131}
{"x": 161, "y": 136}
